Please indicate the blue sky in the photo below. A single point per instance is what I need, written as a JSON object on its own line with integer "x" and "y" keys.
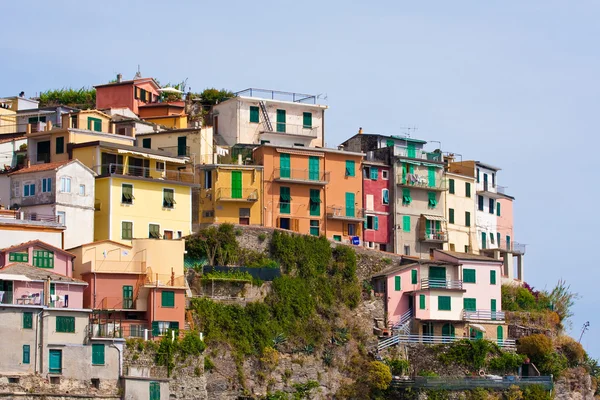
{"x": 511, "y": 84}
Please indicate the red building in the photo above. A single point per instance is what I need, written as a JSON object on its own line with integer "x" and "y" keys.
{"x": 377, "y": 199}
{"x": 130, "y": 94}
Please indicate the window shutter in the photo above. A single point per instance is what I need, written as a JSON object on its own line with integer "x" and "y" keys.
{"x": 483, "y": 240}
{"x": 451, "y": 188}
{"x": 307, "y": 120}
{"x": 470, "y": 304}
{"x": 296, "y": 225}
{"x": 451, "y": 215}
{"x": 469, "y": 276}
{"x": 467, "y": 189}
{"x": 350, "y": 168}
{"x": 499, "y": 237}
{"x": 97, "y": 354}
{"x": 413, "y": 275}
{"x": 406, "y": 223}
{"x": 431, "y": 171}
{"x": 26, "y": 354}
{"x": 467, "y": 218}
{"x": 498, "y": 208}
{"x": 284, "y": 165}
{"x": 386, "y": 196}
{"x": 374, "y": 173}
{"x": 350, "y": 204}
{"x": 480, "y": 203}
{"x": 389, "y": 143}
{"x": 406, "y": 199}
{"x": 444, "y": 303}
{"x": 422, "y": 301}
{"x": 155, "y": 329}
{"x": 397, "y": 284}
{"x": 254, "y": 114}
{"x": 432, "y": 199}
{"x": 376, "y": 223}
{"x": 492, "y": 277}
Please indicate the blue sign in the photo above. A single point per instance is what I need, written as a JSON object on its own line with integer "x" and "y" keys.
{"x": 355, "y": 240}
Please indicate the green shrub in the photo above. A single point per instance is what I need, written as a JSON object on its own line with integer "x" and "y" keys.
{"x": 191, "y": 345}
{"x": 262, "y": 237}
{"x": 397, "y": 366}
{"x": 208, "y": 364}
{"x": 506, "y": 362}
{"x": 536, "y": 392}
{"x": 572, "y": 350}
{"x": 478, "y": 394}
{"x": 470, "y": 353}
{"x": 303, "y": 389}
{"x": 379, "y": 375}
{"x": 427, "y": 373}
{"x": 553, "y": 364}
{"x": 536, "y": 347}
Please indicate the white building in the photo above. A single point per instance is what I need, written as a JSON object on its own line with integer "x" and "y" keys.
{"x": 485, "y": 214}
{"x": 256, "y": 116}
{"x": 62, "y": 192}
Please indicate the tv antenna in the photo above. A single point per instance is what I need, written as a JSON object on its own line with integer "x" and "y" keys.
{"x": 408, "y": 130}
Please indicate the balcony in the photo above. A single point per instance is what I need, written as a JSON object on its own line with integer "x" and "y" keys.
{"x": 176, "y": 151}
{"x": 19, "y": 215}
{"x": 143, "y": 172}
{"x": 161, "y": 280}
{"x": 118, "y": 266}
{"x": 435, "y": 236}
{"x": 241, "y": 195}
{"x": 345, "y": 214}
{"x": 115, "y": 303}
{"x": 483, "y": 315}
{"x": 301, "y": 176}
{"x": 278, "y": 95}
{"x": 293, "y": 129}
{"x": 420, "y": 181}
{"x": 417, "y": 154}
{"x": 116, "y": 330}
{"x": 427, "y": 284}
{"x": 513, "y": 247}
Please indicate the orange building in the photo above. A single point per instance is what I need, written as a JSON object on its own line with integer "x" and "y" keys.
{"x": 312, "y": 190}
{"x": 130, "y": 94}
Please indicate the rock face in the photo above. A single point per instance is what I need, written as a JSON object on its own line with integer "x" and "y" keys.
{"x": 575, "y": 384}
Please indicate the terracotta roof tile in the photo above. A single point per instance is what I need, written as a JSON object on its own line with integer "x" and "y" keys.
{"x": 41, "y": 167}
{"x": 6, "y": 140}
{"x": 35, "y": 273}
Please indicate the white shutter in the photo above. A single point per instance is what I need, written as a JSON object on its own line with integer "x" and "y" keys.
{"x": 369, "y": 202}
{"x": 16, "y": 189}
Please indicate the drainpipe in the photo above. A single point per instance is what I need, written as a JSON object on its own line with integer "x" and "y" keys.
{"x": 39, "y": 322}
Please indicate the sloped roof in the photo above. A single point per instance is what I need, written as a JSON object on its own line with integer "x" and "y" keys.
{"x": 468, "y": 256}
{"x": 102, "y": 241}
{"x": 41, "y": 167}
{"x": 37, "y": 274}
{"x": 37, "y": 243}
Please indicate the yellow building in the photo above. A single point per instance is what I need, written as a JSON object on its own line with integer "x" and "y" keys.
{"x": 8, "y": 117}
{"x": 230, "y": 193}
{"x": 460, "y": 213}
{"x": 194, "y": 143}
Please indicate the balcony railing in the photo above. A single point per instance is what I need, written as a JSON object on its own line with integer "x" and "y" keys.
{"x": 483, "y": 315}
{"x": 435, "y": 236}
{"x": 514, "y": 247}
{"x": 234, "y": 194}
{"x": 508, "y": 344}
{"x": 164, "y": 280}
{"x": 343, "y": 213}
{"x": 169, "y": 175}
{"x": 293, "y": 129}
{"x": 177, "y": 151}
{"x": 418, "y": 154}
{"x": 116, "y": 330}
{"x": 440, "y": 284}
{"x": 278, "y": 95}
{"x": 420, "y": 181}
{"x": 301, "y": 176}
{"x": 115, "y": 303}
{"x": 16, "y": 214}
{"x": 490, "y": 382}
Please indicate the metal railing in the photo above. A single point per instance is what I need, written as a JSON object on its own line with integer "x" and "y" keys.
{"x": 400, "y": 151}
{"x": 489, "y": 382}
{"x": 116, "y": 266}
{"x": 120, "y": 169}
{"x": 176, "y": 151}
{"x": 417, "y": 339}
{"x": 440, "y": 284}
{"x": 515, "y": 247}
{"x": 501, "y": 189}
{"x": 404, "y": 318}
{"x": 116, "y": 330}
{"x": 293, "y": 129}
{"x": 436, "y": 235}
{"x": 420, "y": 181}
{"x": 303, "y": 175}
{"x": 16, "y": 214}
{"x": 483, "y": 315}
{"x": 165, "y": 280}
{"x": 115, "y": 303}
{"x": 278, "y": 95}
{"x": 235, "y": 194}
{"x": 336, "y": 212}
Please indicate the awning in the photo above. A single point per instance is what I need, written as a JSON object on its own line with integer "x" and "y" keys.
{"x": 410, "y": 162}
{"x": 434, "y": 217}
{"x": 432, "y": 165}
{"x": 169, "y": 90}
{"x": 478, "y": 327}
{"x": 35, "y": 113}
{"x": 300, "y": 152}
{"x": 152, "y": 156}
{"x": 14, "y": 277}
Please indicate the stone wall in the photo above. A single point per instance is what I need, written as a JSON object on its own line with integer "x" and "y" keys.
{"x": 36, "y": 387}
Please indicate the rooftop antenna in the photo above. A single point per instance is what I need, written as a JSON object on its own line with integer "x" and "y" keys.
{"x": 408, "y": 130}
{"x": 138, "y": 74}
{"x": 585, "y": 327}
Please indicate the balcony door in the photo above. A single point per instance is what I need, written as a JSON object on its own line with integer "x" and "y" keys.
{"x": 127, "y": 297}
{"x": 6, "y": 292}
{"x": 437, "y": 277}
{"x": 236, "y": 184}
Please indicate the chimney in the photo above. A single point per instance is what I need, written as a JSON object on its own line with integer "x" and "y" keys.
{"x": 49, "y": 125}
{"x": 119, "y": 78}
{"x": 28, "y": 128}
{"x": 360, "y": 131}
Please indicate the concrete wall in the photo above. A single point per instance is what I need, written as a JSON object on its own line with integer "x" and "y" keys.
{"x": 374, "y": 206}
{"x": 108, "y": 289}
{"x": 12, "y": 350}
{"x": 137, "y": 388}
{"x": 505, "y": 221}
{"x": 200, "y": 142}
{"x": 13, "y": 234}
{"x": 5, "y": 191}
{"x": 7, "y": 152}
{"x": 461, "y": 236}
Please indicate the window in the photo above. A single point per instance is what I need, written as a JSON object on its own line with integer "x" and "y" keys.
{"x": 18, "y": 257}
{"x": 147, "y": 143}
{"x": 254, "y": 118}
{"x": 26, "y": 354}
{"x": 62, "y": 217}
{"x": 498, "y": 236}
{"x": 315, "y": 202}
{"x": 431, "y": 176}
{"x": 413, "y": 277}
{"x": 209, "y": 214}
{"x": 492, "y": 277}
{"x": 444, "y": 303}
{"x": 467, "y": 189}
{"x": 397, "y": 284}
{"x": 284, "y": 223}
{"x": 351, "y": 229}
{"x": 46, "y": 185}
{"x": 483, "y": 240}
{"x": 374, "y": 173}
{"x": 179, "y": 234}
{"x": 385, "y": 196}
{"x": 406, "y": 223}
{"x": 160, "y": 166}
{"x": 74, "y": 122}
{"x": 385, "y": 174}
{"x": 350, "y": 204}
{"x": 469, "y": 276}
{"x": 467, "y": 249}
{"x": 477, "y": 175}
{"x": 60, "y": 145}
{"x": 314, "y": 227}
{"x": 82, "y": 190}
{"x": 451, "y": 184}
{"x": 492, "y": 208}
{"x": 451, "y": 215}
{"x": 284, "y": 200}
{"x": 55, "y": 362}
{"x": 182, "y": 149}
{"x": 29, "y": 189}
{"x": 281, "y": 121}
{"x": 154, "y": 231}
{"x": 143, "y": 95}
{"x": 65, "y": 184}
{"x": 167, "y": 299}
{"x": 421, "y": 302}
{"x": 27, "y": 320}
{"x": 97, "y": 354}
{"x": 284, "y": 165}
{"x": 350, "y": 168}
{"x": 94, "y": 124}
{"x": 480, "y": 203}
{"x": 43, "y": 259}
{"x": 467, "y": 218}
{"x": 492, "y": 240}
{"x": 127, "y": 193}
{"x": 372, "y": 222}
{"x": 168, "y": 198}
{"x": 65, "y": 324}
{"x": 470, "y": 304}
{"x": 498, "y": 208}
{"x": 313, "y": 168}
{"x": 432, "y": 200}
{"x": 406, "y": 199}
{"x": 389, "y": 143}
{"x": 337, "y": 238}
{"x": 126, "y": 230}
{"x": 406, "y": 250}
{"x": 307, "y": 120}
{"x": 493, "y": 179}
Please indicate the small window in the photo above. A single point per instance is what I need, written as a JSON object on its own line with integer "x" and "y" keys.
{"x": 397, "y": 284}
{"x": 27, "y": 320}
{"x": 18, "y": 257}
{"x": 351, "y": 229}
{"x": 160, "y": 166}
{"x": 492, "y": 277}
{"x": 492, "y": 240}
{"x": 337, "y": 238}
{"x": 154, "y": 231}
{"x": 29, "y": 189}
{"x": 62, "y": 217}
{"x": 498, "y": 208}
{"x": 451, "y": 215}
{"x": 60, "y": 145}
{"x": 413, "y": 275}
{"x": 421, "y": 301}
{"x": 406, "y": 223}
{"x": 451, "y": 186}
{"x": 167, "y": 299}
{"x": 492, "y": 206}
{"x": 444, "y": 303}
{"x": 314, "y": 227}
{"x": 127, "y": 193}
{"x": 374, "y": 174}
{"x": 406, "y": 199}
{"x": 469, "y": 276}
{"x": 307, "y": 120}
{"x": 43, "y": 259}
{"x": 147, "y": 143}
{"x": 26, "y": 354}
{"x": 480, "y": 203}
{"x": 432, "y": 199}
{"x": 350, "y": 168}
{"x": 372, "y": 222}
{"x": 385, "y": 174}
{"x": 46, "y": 185}
{"x": 65, "y": 184}
{"x": 97, "y": 354}
{"x": 385, "y": 196}
{"x": 467, "y": 218}
{"x": 467, "y": 189}
{"x": 254, "y": 114}
{"x": 168, "y": 198}
{"x": 94, "y": 124}
{"x": 82, "y": 190}
{"x": 467, "y": 249}
{"x": 65, "y": 324}
{"x": 126, "y": 230}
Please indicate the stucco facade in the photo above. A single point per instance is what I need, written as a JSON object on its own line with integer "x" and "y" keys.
{"x": 378, "y": 201}
{"x": 16, "y": 231}
{"x": 460, "y": 213}
{"x": 127, "y": 94}
{"x": 194, "y": 144}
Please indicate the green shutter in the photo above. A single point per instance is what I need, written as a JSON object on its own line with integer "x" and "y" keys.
{"x": 467, "y": 189}
{"x": 284, "y": 165}
{"x": 126, "y": 230}
{"x": 397, "y": 284}
{"x": 437, "y": 273}
{"x": 155, "y": 329}
{"x": 254, "y": 114}
{"x": 508, "y": 242}
{"x": 43, "y": 259}
{"x": 469, "y": 276}
{"x": 127, "y": 297}
{"x": 314, "y": 227}
{"x": 307, "y": 120}
{"x": 492, "y": 277}
{"x": 97, "y": 354}
{"x": 350, "y": 168}
{"x": 451, "y": 188}
{"x": 236, "y": 184}
{"x": 281, "y": 121}
{"x": 389, "y": 143}
{"x": 313, "y": 168}
{"x": 374, "y": 173}
{"x": 498, "y": 237}
{"x": 182, "y": 146}
{"x": 467, "y": 218}
{"x": 498, "y": 208}
{"x": 284, "y": 200}
{"x": 315, "y": 202}
{"x": 350, "y": 204}
{"x": 27, "y": 320}
{"x": 422, "y": 301}
{"x": 168, "y": 299}
{"x": 470, "y": 304}
{"x": 406, "y": 223}
{"x": 500, "y": 334}
{"x": 413, "y": 277}
{"x": 154, "y": 391}
{"x": 444, "y": 303}
{"x": 65, "y": 324}
{"x": 376, "y": 223}
{"x": 448, "y": 330}
{"x": 406, "y": 199}
{"x": 26, "y": 354}
{"x": 451, "y": 215}
{"x": 412, "y": 151}
{"x": 174, "y": 326}
{"x": 60, "y": 145}
{"x": 432, "y": 199}
{"x": 483, "y": 240}
{"x": 431, "y": 171}
{"x": 147, "y": 143}
{"x": 427, "y": 228}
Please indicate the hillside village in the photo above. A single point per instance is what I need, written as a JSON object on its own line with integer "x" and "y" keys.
{"x": 142, "y": 228}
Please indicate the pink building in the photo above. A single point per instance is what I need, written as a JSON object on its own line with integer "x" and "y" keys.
{"x": 377, "y": 200}
{"x": 127, "y": 94}
{"x": 41, "y": 255}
